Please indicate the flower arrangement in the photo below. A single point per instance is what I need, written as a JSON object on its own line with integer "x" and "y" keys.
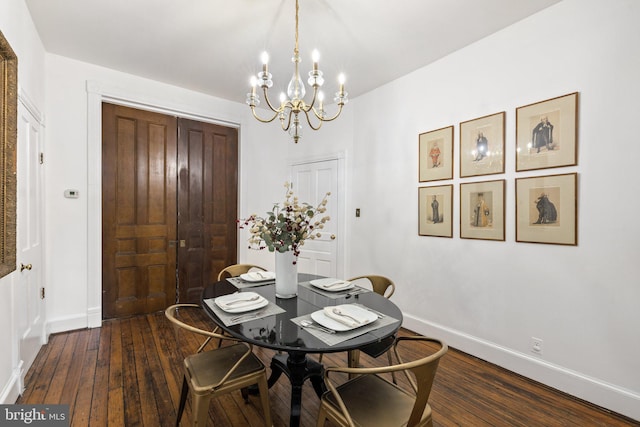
{"x": 286, "y": 228}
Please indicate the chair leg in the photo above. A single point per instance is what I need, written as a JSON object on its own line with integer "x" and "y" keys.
{"x": 183, "y": 400}
{"x": 322, "y": 417}
{"x": 354, "y": 360}
{"x": 393, "y": 374}
{"x": 263, "y": 388}
{"x": 200, "y": 409}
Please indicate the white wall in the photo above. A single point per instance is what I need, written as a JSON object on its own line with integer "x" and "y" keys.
{"x": 489, "y": 298}
{"x": 18, "y": 29}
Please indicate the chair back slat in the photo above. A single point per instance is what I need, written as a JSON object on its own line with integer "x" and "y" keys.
{"x": 420, "y": 374}
{"x": 381, "y": 285}
{"x": 236, "y": 270}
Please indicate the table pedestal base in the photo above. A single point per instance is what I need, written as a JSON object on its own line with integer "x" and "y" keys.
{"x": 298, "y": 369}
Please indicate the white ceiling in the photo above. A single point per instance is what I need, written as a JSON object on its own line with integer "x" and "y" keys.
{"x": 213, "y": 46}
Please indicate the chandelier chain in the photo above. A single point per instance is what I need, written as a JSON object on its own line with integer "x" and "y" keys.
{"x": 295, "y": 49}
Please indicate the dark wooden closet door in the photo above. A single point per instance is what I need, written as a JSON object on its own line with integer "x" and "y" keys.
{"x": 207, "y": 204}
{"x": 138, "y": 211}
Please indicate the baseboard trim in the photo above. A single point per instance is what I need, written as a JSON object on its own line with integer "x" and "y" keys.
{"x": 11, "y": 390}
{"x": 593, "y": 390}
{"x": 94, "y": 317}
{"x": 64, "y": 324}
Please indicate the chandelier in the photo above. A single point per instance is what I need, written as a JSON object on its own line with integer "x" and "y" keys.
{"x": 292, "y": 104}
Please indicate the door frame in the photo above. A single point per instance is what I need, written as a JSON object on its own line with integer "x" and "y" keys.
{"x": 97, "y": 93}
{"x": 341, "y": 158}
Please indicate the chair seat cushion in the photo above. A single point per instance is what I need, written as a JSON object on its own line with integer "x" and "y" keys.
{"x": 374, "y": 401}
{"x": 208, "y": 368}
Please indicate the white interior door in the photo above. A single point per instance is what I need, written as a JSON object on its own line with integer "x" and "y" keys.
{"x": 30, "y": 315}
{"x": 311, "y": 181}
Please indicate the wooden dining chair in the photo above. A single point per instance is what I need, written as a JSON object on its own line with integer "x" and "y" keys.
{"x": 381, "y": 285}
{"x": 236, "y": 270}
{"x": 209, "y": 374}
{"x": 371, "y": 400}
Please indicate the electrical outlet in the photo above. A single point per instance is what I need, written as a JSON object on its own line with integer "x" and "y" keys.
{"x": 536, "y": 345}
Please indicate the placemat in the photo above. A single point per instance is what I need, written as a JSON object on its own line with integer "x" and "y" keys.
{"x": 338, "y": 337}
{"x": 241, "y": 284}
{"x": 334, "y": 295}
{"x": 230, "y": 319}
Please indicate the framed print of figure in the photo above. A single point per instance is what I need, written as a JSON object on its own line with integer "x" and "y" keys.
{"x": 482, "y": 210}
{"x": 482, "y": 146}
{"x": 435, "y": 211}
{"x": 547, "y": 209}
{"x": 546, "y": 133}
{"x": 435, "y": 154}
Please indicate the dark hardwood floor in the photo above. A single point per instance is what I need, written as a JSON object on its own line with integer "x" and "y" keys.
{"x": 128, "y": 373}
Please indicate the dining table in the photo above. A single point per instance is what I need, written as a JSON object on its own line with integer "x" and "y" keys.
{"x": 290, "y": 326}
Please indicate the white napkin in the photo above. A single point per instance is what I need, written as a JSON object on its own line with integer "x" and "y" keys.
{"x": 243, "y": 300}
{"x": 348, "y": 317}
{"x": 260, "y": 275}
{"x": 335, "y": 284}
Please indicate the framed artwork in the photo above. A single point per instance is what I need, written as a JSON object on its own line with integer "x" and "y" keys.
{"x": 482, "y": 146}
{"x": 547, "y": 133}
{"x": 435, "y": 211}
{"x": 547, "y": 209}
{"x": 482, "y": 210}
{"x": 435, "y": 153}
{"x": 8, "y": 143}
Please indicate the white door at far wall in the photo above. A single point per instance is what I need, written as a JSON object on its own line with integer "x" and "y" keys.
{"x": 311, "y": 181}
{"x": 30, "y": 316}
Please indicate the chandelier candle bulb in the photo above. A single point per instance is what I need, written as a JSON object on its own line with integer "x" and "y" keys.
{"x": 315, "y": 56}
{"x": 265, "y": 61}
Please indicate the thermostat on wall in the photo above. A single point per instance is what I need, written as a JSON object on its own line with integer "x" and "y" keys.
{"x": 71, "y": 194}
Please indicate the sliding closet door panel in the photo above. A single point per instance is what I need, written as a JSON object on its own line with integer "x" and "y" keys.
{"x": 139, "y": 184}
{"x": 207, "y": 204}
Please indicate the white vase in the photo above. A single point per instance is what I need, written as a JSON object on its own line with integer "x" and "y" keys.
{"x": 286, "y": 275}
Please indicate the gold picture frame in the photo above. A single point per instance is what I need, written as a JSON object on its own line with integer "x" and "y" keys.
{"x": 482, "y": 210}
{"x": 547, "y": 209}
{"x": 8, "y": 141}
{"x": 435, "y": 211}
{"x": 435, "y": 154}
{"x": 482, "y": 145}
{"x": 547, "y": 133}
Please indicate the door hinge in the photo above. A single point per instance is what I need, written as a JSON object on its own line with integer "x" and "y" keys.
{"x": 41, "y": 158}
{"x": 41, "y": 293}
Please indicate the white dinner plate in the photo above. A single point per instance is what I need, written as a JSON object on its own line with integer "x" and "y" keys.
{"x": 326, "y": 284}
{"x": 360, "y": 313}
{"x": 241, "y": 307}
{"x": 258, "y": 276}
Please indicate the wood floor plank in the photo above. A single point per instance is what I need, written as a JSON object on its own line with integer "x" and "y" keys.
{"x": 62, "y": 370}
{"x": 131, "y": 375}
{"x": 132, "y": 407}
{"x": 115, "y": 404}
{"x": 82, "y": 405}
{"x": 39, "y": 387}
{"x": 72, "y": 380}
